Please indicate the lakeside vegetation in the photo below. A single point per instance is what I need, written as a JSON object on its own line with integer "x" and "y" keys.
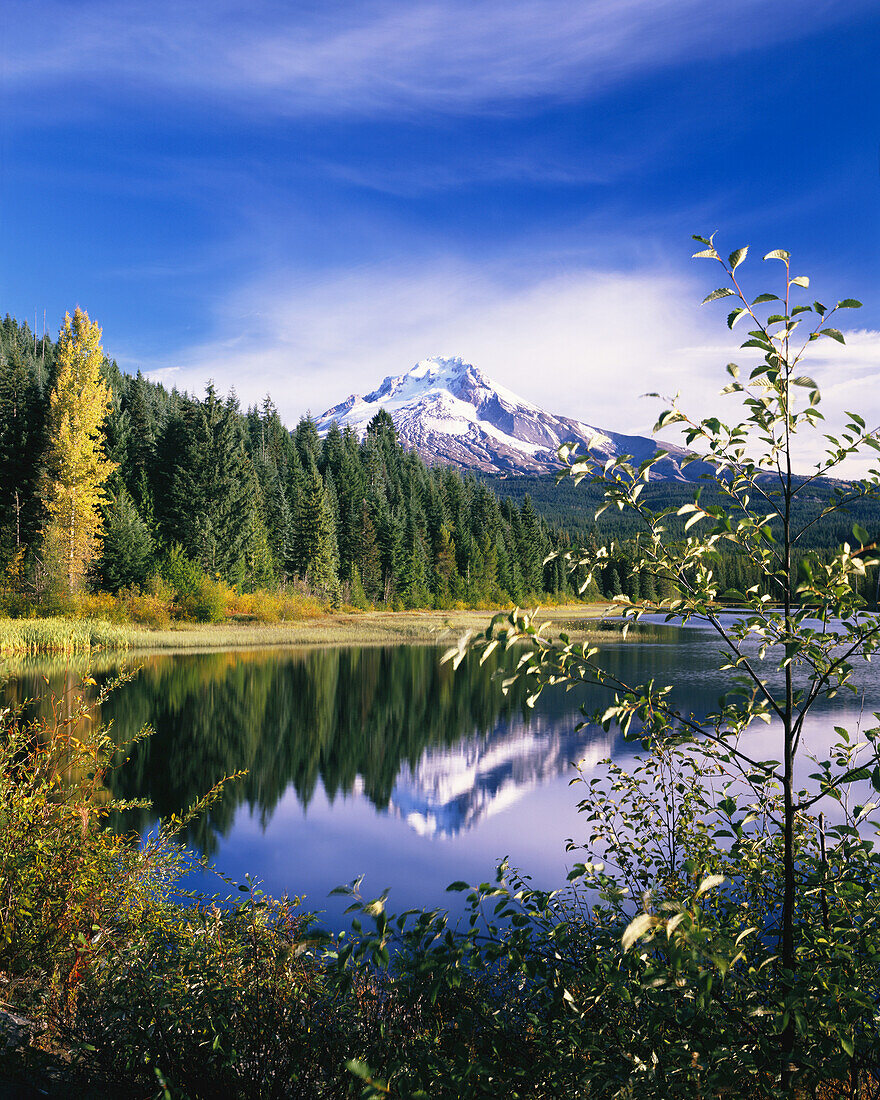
{"x": 61, "y": 635}
{"x": 83, "y": 636}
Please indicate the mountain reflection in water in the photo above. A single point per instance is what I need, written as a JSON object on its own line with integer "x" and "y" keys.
{"x": 380, "y": 760}
{"x": 442, "y": 749}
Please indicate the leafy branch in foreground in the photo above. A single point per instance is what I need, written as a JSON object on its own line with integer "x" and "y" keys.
{"x": 801, "y": 985}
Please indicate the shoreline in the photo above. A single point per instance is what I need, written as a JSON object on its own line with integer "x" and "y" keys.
{"x": 73, "y": 636}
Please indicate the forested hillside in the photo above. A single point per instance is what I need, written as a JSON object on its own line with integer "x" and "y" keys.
{"x": 573, "y": 508}
{"x": 201, "y": 489}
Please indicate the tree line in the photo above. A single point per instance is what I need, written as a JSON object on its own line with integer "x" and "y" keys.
{"x": 109, "y": 479}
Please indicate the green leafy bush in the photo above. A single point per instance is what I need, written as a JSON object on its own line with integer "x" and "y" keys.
{"x": 196, "y": 595}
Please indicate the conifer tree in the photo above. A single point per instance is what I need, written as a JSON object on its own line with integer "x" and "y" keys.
{"x": 357, "y": 597}
{"x": 530, "y": 547}
{"x": 413, "y": 573}
{"x": 445, "y": 572}
{"x": 204, "y": 483}
{"x": 369, "y": 558}
{"x": 259, "y": 561}
{"x": 315, "y": 539}
{"x": 77, "y": 467}
{"x": 127, "y": 545}
{"x": 22, "y": 450}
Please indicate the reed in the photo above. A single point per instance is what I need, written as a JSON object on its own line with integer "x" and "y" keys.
{"x": 57, "y": 635}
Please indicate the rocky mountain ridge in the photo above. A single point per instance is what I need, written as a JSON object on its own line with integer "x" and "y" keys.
{"x": 452, "y": 413}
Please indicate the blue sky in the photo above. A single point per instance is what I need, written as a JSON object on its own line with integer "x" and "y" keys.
{"x": 301, "y": 199}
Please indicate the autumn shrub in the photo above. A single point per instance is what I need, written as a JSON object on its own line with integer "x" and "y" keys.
{"x": 259, "y": 606}
{"x": 227, "y": 999}
{"x": 288, "y": 604}
{"x": 100, "y": 939}
{"x": 67, "y": 884}
{"x": 98, "y": 605}
{"x": 144, "y": 608}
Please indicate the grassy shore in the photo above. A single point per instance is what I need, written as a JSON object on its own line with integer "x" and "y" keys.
{"x": 364, "y": 628}
{"x": 68, "y": 636}
{"x": 65, "y": 636}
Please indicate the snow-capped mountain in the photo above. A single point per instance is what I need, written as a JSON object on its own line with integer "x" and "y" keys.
{"x": 451, "y": 790}
{"x": 451, "y": 413}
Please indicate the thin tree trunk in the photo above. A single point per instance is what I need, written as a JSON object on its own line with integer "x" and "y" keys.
{"x": 70, "y": 540}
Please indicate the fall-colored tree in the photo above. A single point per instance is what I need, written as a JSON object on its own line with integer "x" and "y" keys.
{"x": 76, "y": 466}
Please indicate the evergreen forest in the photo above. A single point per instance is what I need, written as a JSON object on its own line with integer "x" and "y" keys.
{"x": 201, "y": 493}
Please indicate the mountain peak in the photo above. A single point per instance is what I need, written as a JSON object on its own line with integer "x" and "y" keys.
{"x": 454, "y": 414}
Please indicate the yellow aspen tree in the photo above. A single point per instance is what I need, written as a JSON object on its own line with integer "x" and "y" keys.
{"x": 77, "y": 468}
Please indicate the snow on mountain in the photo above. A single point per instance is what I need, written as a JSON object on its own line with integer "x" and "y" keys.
{"x": 452, "y": 413}
{"x": 451, "y": 790}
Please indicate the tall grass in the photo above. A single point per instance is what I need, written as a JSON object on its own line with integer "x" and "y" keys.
{"x": 32, "y": 636}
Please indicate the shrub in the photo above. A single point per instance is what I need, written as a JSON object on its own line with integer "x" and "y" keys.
{"x": 145, "y": 608}
{"x": 197, "y": 596}
{"x": 206, "y": 604}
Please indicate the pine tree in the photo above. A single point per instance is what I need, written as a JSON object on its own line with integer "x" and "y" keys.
{"x": 261, "y": 570}
{"x": 531, "y": 556}
{"x": 413, "y": 573}
{"x": 77, "y": 468}
{"x": 22, "y": 450}
{"x": 317, "y": 559}
{"x": 445, "y": 572}
{"x": 204, "y": 483}
{"x": 369, "y": 558}
{"x": 127, "y": 546}
{"x": 357, "y": 597}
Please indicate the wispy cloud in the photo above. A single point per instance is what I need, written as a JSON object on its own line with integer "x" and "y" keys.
{"x": 585, "y": 342}
{"x": 383, "y": 56}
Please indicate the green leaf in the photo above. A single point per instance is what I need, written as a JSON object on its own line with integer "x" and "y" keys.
{"x": 736, "y": 315}
{"x": 737, "y": 256}
{"x": 778, "y": 254}
{"x": 834, "y": 333}
{"x": 721, "y": 292}
{"x": 636, "y": 929}
{"x": 765, "y": 297}
{"x": 359, "y": 1068}
{"x": 709, "y": 884}
{"x": 849, "y": 303}
{"x": 848, "y": 1046}
{"x": 861, "y": 534}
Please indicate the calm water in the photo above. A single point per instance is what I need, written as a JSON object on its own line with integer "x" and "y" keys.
{"x": 378, "y": 761}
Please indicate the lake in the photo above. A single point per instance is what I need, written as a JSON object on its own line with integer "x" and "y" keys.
{"x": 381, "y": 762}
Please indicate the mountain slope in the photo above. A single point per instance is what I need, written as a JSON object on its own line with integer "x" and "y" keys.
{"x": 452, "y": 413}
